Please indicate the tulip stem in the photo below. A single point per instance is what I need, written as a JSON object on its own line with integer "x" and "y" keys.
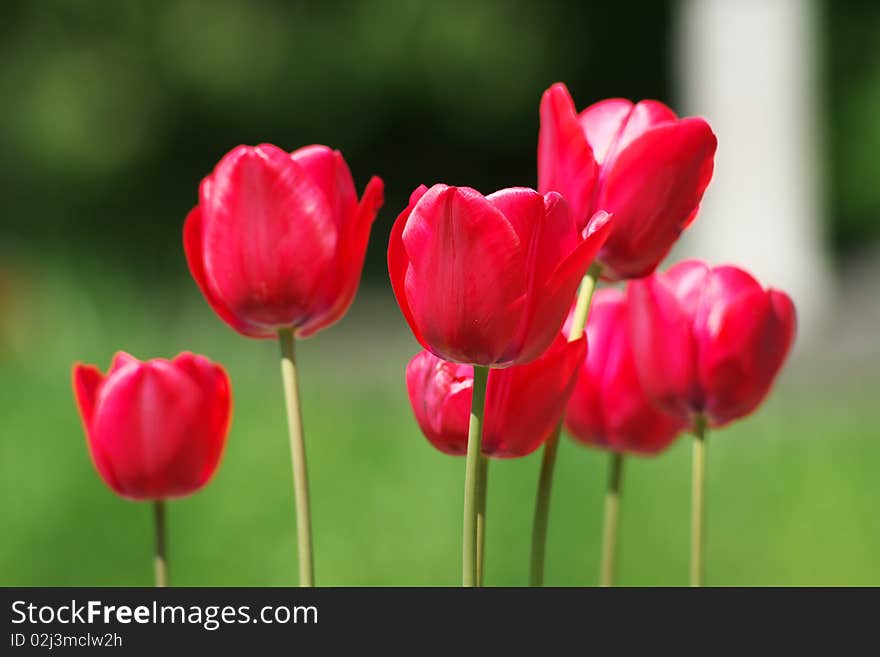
{"x": 548, "y": 460}
{"x": 474, "y": 484}
{"x": 698, "y": 509}
{"x": 298, "y": 456}
{"x": 612, "y": 519}
{"x": 542, "y": 510}
{"x": 582, "y": 306}
{"x": 160, "y": 560}
{"x": 481, "y": 516}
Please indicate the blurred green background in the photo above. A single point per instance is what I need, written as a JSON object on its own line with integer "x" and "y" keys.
{"x": 112, "y": 113}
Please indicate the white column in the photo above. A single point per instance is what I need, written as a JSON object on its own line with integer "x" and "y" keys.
{"x": 750, "y": 68}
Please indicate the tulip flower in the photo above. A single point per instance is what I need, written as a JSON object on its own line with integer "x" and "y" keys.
{"x": 724, "y": 340}
{"x": 155, "y": 429}
{"x": 487, "y": 280}
{"x": 639, "y": 162}
{"x": 608, "y": 408}
{"x": 523, "y": 403}
{"x": 277, "y": 240}
{"x": 708, "y": 341}
{"x": 276, "y": 245}
{"x": 523, "y": 406}
{"x": 642, "y": 164}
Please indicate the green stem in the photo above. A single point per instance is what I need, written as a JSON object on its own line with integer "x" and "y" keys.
{"x": 481, "y": 517}
{"x": 698, "y": 508}
{"x": 160, "y": 560}
{"x": 612, "y": 521}
{"x": 542, "y": 510}
{"x": 582, "y": 307}
{"x": 472, "y": 479}
{"x": 298, "y": 457}
{"x": 548, "y": 460}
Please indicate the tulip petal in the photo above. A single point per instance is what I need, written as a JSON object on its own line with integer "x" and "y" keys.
{"x": 692, "y": 217}
{"x": 456, "y": 241}
{"x": 548, "y": 235}
{"x": 688, "y": 280}
{"x": 745, "y": 338}
{"x": 121, "y": 359}
{"x": 523, "y": 208}
{"x": 398, "y": 264}
{"x": 663, "y": 346}
{"x": 653, "y": 189}
{"x": 192, "y": 246}
{"x": 102, "y": 436}
{"x": 722, "y": 288}
{"x": 372, "y": 200}
{"x": 550, "y": 307}
{"x": 566, "y": 162}
{"x": 330, "y": 173}
{"x": 602, "y": 123}
{"x": 216, "y": 396}
{"x": 86, "y": 381}
{"x": 327, "y": 169}
{"x": 544, "y": 226}
{"x": 608, "y": 407}
{"x": 785, "y": 313}
{"x": 350, "y": 260}
{"x": 440, "y": 393}
{"x": 525, "y": 403}
{"x": 611, "y": 125}
{"x": 588, "y": 407}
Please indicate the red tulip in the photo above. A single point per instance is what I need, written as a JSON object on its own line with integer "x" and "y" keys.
{"x": 708, "y": 340}
{"x": 608, "y": 407}
{"x": 487, "y": 280}
{"x": 277, "y": 240}
{"x": 639, "y": 162}
{"x": 155, "y": 429}
{"x": 524, "y": 404}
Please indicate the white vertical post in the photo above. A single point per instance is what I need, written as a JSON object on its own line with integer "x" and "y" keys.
{"x": 750, "y": 67}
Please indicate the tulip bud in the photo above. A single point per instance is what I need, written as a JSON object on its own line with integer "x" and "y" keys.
{"x": 487, "y": 280}
{"x": 524, "y": 403}
{"x": 708, "y": 340}
{"x": 639, "y": 162}
{"x": 155, "y": 429}
{"x": 608, "y": 407}
{"x": 278, "y": 240}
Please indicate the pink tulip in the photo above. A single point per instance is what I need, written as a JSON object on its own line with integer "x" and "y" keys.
{"x": 608, "y": 407}
{"x": 277, "y": 240}
{"x": 487, "y": 280}
{"x": 524, "y": 404}
{"x": 638, "y": 161}
{"x": 708, "y": 340}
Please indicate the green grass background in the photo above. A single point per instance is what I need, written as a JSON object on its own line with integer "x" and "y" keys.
{"x": 792, "y": 491}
